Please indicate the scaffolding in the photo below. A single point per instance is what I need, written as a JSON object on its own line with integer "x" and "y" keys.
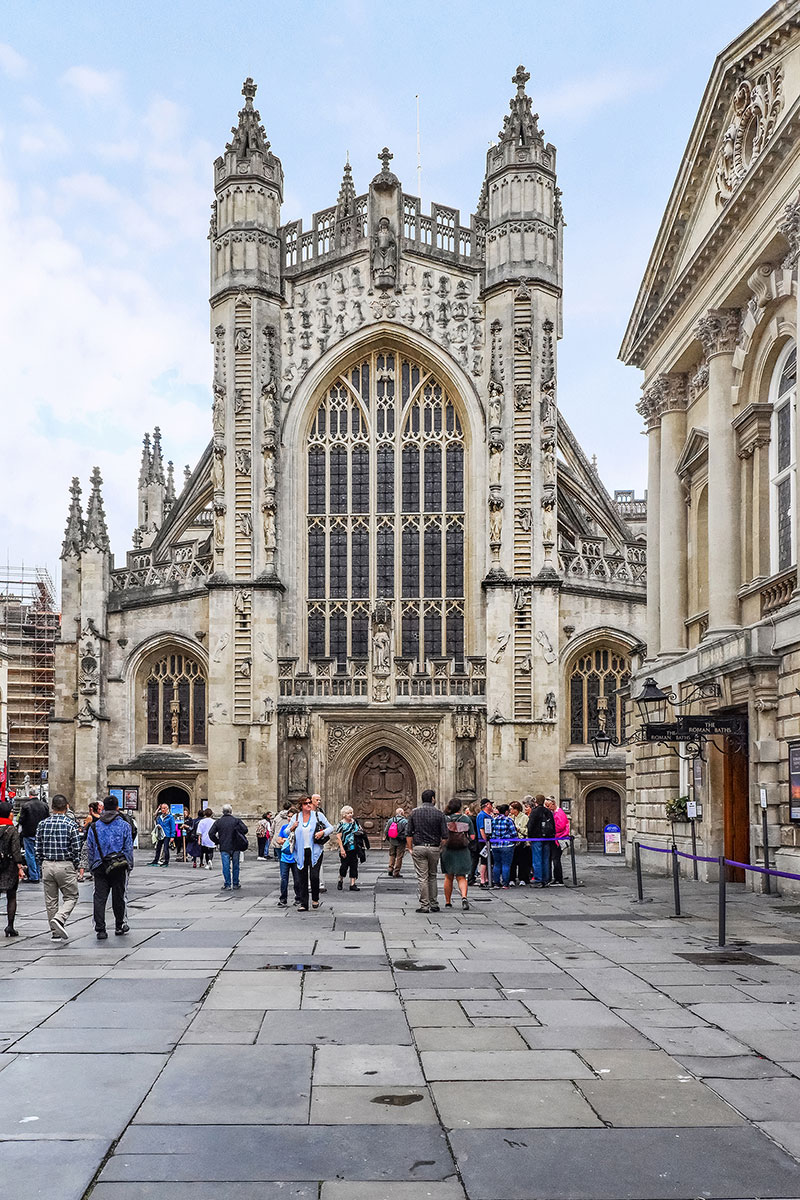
{"x": 29, "y": 626}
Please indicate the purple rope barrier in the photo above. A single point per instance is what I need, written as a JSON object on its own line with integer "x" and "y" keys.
{"x": 696, "y": 857}
{"x": 761, "y": 870}
{"x": 657, "y": 849}
{"x": 519, "y": 841}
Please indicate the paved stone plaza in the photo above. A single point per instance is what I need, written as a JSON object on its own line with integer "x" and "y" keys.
{"x": 558, "y": 1046}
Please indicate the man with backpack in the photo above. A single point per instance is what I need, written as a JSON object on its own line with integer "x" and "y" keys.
{"x": 109, "y": 843}
{"x": 31, "y": 814}
{"x": 426, "y": 834}
{"x": 395, "y": 833}
{"x": 230, "y": 834}
{"x": 58, "y": 852}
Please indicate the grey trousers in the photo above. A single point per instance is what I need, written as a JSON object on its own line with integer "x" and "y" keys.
{"x": 426, "y": 863}
{"x": 59, "y": 879}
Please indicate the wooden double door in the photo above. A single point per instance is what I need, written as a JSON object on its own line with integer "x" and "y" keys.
{"x": 603, "y": 807}
{"x": 382, "y": 783}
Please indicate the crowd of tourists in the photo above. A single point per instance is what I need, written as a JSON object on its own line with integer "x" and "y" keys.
{"x": 485, "y": 844}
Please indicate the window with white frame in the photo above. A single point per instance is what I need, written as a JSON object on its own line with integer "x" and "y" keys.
{"x": 386, "y": 512}
{"x": 783, "y": 472}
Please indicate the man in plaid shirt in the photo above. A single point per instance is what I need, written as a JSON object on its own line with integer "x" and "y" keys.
{"x": 504, "y": 837}
{"x": 58, "y": 852}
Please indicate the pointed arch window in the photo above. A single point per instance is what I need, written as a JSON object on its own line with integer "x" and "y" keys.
{"x": 385, "y": 475}
{"x": 783, "y": 466}
{"x": 596, "y": 674}
{"x": 176, "y": 687}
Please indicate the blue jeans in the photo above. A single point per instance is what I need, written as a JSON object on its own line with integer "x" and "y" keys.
{"x": 541, "y": 861}
{"x": 29, "y": 845}
{"x": 227, "y": 858}
{"x": 287, "y": 869}
{"x": 501, "y": 864}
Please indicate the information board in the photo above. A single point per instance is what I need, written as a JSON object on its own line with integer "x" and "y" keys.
{"x": 612, "y": 839}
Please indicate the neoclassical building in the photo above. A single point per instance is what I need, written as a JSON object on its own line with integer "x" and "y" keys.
{"x": 714, "y": 330}
{"x": 393, "y": 567}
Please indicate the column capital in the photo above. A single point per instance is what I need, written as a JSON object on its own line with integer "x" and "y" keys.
{"x": 789, "y": 226}
{"x": 718, "y": 331}
{"x": 666, "y": 393}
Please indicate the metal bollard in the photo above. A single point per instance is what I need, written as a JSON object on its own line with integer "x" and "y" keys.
{"x": 572, "y": 860}
{"x": 694, "y": 851}
{"x": 638, "y": 856}
{"x": 676, "y": 880}
{"x": 722, "y": 882}
{"x": 767, "y": 881}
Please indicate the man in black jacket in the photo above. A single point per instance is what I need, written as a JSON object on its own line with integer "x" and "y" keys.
{"x": 541, "y": 824}
{"x": 31, "y": 815}
{"x": 230, "y": 834}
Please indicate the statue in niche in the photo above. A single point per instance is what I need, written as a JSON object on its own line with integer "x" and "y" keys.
{"x": 550, "y": 706}
{"x": 496, "y": 411}
{"x": 549, "y": 469}
{"x": 269, "y": 471}
{"x": 269, "y": 528}
{"x": 218, "y": 469}
{"x": 384, "y": 255}
{"x": 268, "y": 398}
{"x": 241, "y": 341}
{"x": 298, "y": 770}
{"x": 267, "y": 710}
{"x": 219, "y": 525}
{"x": 495, "y": 525}
{"x": 381, "y": 652}
{"x": 218, "y": 411}
{"x": 465, "y": 768}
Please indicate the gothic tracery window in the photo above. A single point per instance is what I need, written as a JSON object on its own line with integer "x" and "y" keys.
{"x": 386, "y": 512}
{"x": 596, "y": 673}
{"x": 176, "y": 686}
{"x": 782, "y": 461}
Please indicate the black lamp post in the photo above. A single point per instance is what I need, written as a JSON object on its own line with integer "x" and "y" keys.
{"x": 652, "y": 703}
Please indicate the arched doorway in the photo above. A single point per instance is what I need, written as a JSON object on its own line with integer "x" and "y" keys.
{"x": 603, "y": 807}
{"x": 382, "y": 782}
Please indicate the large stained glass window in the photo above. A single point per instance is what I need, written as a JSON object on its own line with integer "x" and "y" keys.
{"x": 386, "y": 509}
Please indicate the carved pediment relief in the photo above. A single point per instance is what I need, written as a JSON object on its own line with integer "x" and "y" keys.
{"x": 757, "y": 103}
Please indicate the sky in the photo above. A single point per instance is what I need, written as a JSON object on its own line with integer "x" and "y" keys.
{"x": 111, "y": 116}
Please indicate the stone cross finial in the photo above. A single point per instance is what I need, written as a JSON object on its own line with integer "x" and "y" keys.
{"x": 520, "y": 79}
{"x": 249, "y": 89}
{"x": 385, "y": 158}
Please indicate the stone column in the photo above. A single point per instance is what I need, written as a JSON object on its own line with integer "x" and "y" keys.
{"x": 672, "y": 566}
{"x": 648, "y": 408}
{"x": 717, "y": 331}
{"x": 789, "y": 226}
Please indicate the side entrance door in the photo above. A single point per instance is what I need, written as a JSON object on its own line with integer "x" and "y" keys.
{"x": 603, "y": 807}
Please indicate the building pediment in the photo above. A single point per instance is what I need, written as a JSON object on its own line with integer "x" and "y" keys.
{"x": 694, "y": 454}
{"x": 750, "y": 107}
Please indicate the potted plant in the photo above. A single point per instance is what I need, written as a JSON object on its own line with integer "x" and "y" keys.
{"x": 676, "y": 809}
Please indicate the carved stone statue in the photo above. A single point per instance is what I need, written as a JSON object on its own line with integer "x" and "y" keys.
{"x": 218, "y": 411}
{"x": 465, "y": 768}
{"x": 242, "y": 341}
{"x": 218, "y": 469}
{"x": 381, "y": 652}
{"x": 384, "y": 255}
{"x": 550, "y": 706}
{"x": 298, "y": 770}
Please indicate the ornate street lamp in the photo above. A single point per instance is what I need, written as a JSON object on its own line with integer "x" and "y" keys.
{"x": 652, "y": 703}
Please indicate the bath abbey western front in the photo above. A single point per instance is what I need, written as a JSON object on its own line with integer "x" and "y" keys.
{"x": 393, "y": 566}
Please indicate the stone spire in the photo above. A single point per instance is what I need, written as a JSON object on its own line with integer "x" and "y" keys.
{"x": 73, "y": 534}
{"x": 521, "y": 126}
{"x": 147, "y": 462}
{"x": 96, "y": 532}
{"x": 386, "y": 179}
{"x": 346, "y": 202}
{"x": 157, "y": 462}
{"x": 249, "y": 135}
{"x": 169, "y": 495}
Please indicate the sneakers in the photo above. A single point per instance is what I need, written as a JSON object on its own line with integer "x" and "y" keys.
{"x": 57, "y": 926}
{"x": 226, "y": 887}
{"x": 102, "y": 936}
{"x": 558, "y": 883}
{"x": 283, "y": 904}
{"x": 423, "y": 910}
{"x": 237, "y": 887}
{"x": 435, "y": 908}
{"x": 339, "y": 885}
{"x": 465, "y": 904}
{"x": 122, "y": 929}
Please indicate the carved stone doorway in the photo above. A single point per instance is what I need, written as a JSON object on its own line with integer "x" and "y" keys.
{"x": 382, "y": 783}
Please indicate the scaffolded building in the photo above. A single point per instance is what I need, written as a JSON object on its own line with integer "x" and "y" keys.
{"x": 29, "y": 627}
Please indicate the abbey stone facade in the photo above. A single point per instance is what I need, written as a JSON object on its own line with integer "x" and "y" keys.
{"x": 393, "y": 567}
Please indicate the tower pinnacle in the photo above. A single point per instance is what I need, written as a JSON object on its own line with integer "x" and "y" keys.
{"x": 96, "y": 531}
{"x": 346, "y": 202}
{"x": 249, "y": 135}
{"x": 521, "y": 126}
{"x": 73, "y": 534}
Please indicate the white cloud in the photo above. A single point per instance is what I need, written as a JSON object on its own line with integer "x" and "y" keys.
{"x": 12, "y": 64}
{"x": 581, "y": 99}
{"x": 92, "y": 84}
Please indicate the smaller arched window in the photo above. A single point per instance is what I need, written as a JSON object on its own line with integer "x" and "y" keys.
{"x": 783, "y": 467}
{"x": 595, "y": 674}
{"x": 176, "y": 702}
